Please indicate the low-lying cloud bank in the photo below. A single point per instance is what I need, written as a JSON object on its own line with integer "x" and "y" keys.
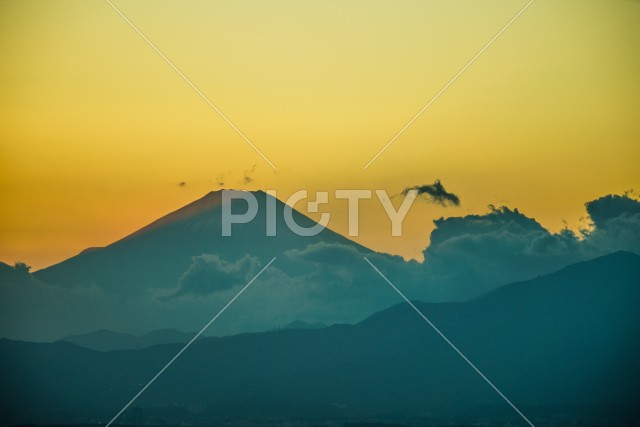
{"x": 325, "y": 282}
{"x": 467, "y": 255}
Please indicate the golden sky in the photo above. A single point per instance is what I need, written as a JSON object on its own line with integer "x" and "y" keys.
{"x": 96, "y": 131}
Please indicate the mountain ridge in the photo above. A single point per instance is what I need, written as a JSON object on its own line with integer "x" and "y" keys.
{"x": 107, "y": 340}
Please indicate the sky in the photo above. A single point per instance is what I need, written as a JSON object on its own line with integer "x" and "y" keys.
{"x": 97, "y": 132}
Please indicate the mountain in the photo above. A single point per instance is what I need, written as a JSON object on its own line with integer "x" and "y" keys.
{"x": 158, "y": 254}
{"x": 562, "y": 346}
{"x": 104, "y": 340}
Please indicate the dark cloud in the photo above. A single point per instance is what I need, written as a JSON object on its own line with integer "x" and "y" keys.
{"x": 606, "y": 208}
{"x": 616, "y": 224}
{"x": 435, "y": 193}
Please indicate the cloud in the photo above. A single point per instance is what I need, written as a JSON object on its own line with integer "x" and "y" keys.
{"x": 210, "y": 273}
{"x": 616, "y": 224}
{"x": 329, "y": 269}
{"x": 435, "y": 193}
{"x": 470, "y": 255}
{"x": 326, "y": 253}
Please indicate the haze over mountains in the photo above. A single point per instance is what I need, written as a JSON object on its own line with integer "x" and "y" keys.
{"x": 564, "y": 343}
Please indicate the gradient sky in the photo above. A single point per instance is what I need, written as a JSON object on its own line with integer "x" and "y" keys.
{"x": 96, "y": 131}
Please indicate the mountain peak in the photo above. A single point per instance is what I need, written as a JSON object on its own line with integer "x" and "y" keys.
{"x": 199, "y": 207}
{"x": 218, "y": 193}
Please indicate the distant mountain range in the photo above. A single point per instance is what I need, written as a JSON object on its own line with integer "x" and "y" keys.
{"x": 105, "y": 340}
{"x": 560, "y": 346}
